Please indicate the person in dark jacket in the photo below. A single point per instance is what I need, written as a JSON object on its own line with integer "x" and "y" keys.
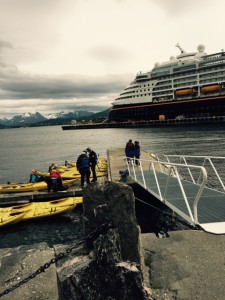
{"x": 137, "y": 153}
{"x": 129, "y": 151}
{"x": 83, "y": 166}
{"x": 93, "y": 161}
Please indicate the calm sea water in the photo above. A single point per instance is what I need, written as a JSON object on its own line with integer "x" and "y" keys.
{"x": 24, "y": 149}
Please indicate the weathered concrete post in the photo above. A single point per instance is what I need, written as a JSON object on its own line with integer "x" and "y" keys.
{"x": 112, "y": 268}
{"x": 114, "y": 204}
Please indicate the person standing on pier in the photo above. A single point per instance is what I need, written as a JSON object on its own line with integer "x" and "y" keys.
{"x": 93, "y": 161}
{"x": 129, "y": 151}
{"x": 83, "y": 166}
{"x": 137, "y": 153}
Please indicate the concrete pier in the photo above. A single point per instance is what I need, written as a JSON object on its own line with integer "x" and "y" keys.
{"x": 186, "y": 265}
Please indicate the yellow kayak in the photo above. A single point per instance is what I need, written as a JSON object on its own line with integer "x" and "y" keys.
{"x": 101, "y": 160}
{"x": 30, "y": 187}
{"x": 71, "y": 171}
{"x": 16, "y": 208}
{"x": 27, "y": 206}
{"x": 9, "y": 218}
{"x": 13, "y": 214}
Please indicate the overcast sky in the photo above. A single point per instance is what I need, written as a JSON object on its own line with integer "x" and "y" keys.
{"x": 79, "y": 54}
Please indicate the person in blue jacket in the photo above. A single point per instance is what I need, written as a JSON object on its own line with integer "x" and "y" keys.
{"x": 137, "y": 153}
{"x": 83, "y": 166}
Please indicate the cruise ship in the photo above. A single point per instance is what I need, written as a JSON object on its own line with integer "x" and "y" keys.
{"x": 187, "y": 86}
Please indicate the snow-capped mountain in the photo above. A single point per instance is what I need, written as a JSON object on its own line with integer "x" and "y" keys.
{"x": 75, "y": 115}
{"x": 29, "y": 118}
{"x": 24, "y": 119}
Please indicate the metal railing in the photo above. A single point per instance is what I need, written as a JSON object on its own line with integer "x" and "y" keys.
{"x": 140, "y": 172}
{"x": 214, "y": 162}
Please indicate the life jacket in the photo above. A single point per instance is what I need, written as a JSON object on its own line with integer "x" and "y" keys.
{"x": 55, "y": 175}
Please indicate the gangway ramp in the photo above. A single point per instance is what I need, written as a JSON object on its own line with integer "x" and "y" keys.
{"x": 185, "y": 189}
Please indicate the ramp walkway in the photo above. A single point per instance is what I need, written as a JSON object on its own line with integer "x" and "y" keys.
{"x": 192, "y": 186}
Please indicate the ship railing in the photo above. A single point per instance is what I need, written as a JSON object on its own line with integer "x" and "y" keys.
{"x": 160, "y": 177}
{"x": 215, "y": 166}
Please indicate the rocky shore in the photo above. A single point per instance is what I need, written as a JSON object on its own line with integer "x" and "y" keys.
{"x": 97, "y": 252}
{"x": 89, "y": 254}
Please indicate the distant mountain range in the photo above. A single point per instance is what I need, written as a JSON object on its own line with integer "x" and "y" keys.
{"x": 61, "y": 118}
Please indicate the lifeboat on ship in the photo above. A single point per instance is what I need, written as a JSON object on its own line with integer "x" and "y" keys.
{"x": 184, "y": 92}
{"x": 211, "y": 88}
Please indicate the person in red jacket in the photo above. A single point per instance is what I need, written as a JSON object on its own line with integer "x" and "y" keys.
{"x": 55, "y": 181}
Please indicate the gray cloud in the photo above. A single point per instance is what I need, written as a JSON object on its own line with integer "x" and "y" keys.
{"x": 92, "y": 37}
{"x": 5, "y": 44}
{"x": 22, "y": 86}
{"x": 23, "y": 92}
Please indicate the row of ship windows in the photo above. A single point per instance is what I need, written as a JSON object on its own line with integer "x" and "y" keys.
{"x": 138, "y": 86}
{"x": 157, "y": 94}
{"x": 215, "y": 74}
{"x": 211, "y": 69}
{"x": 183, "y": 79}
{"x": 186, "y": 81}
{"x": 158, "y": 91}
{"x": 140, "y": 91}
{"x": 166, "y": 71}
{"x": 162, "y": 93}
{"x": 137, "y": 91}
{"x": 133, "y": 87}
{"x": 164, "y": 82}
{"x": 204, "y": 75}
{"x": 148, "y": 94}
{"x": 200, "y": 82}
{"x": 206, "y": 64}
{"x": 163, "y": 87}
{"x": 212, "y": 80}
{"x": 155, "y": 75}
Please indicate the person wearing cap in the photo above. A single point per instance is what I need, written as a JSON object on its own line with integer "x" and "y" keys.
{"x": 33, "y": 176}
{"x": 93, "y": 161}
{"x": 83, "y": 166}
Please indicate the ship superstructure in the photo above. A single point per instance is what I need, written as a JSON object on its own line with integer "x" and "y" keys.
{"x": 189, "y": 85}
